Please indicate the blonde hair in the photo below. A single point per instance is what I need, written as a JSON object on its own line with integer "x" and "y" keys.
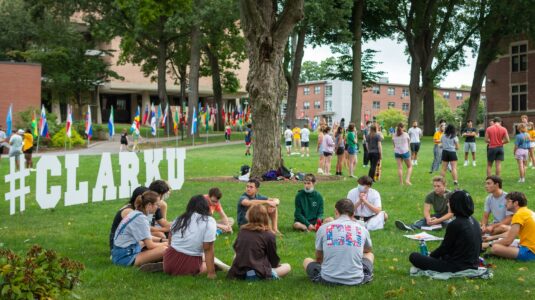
{"x": 258, "y": 218}
{"x": 522, "y": 127}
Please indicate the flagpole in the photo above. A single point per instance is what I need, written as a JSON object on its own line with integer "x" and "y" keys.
{"x": 37, "y": 150}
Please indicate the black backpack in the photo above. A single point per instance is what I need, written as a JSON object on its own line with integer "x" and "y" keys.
{"x": 244, "y": 169}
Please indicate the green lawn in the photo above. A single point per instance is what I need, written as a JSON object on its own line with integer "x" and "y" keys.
{"x": 81, "y": 232}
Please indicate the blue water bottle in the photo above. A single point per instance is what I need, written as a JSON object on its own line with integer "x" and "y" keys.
{"x": 218, "y": 231}
{"x": 423, "y": 248}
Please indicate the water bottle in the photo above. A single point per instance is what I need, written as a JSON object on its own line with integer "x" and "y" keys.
{"x": 218, "y": 231}
{"x": 423, "y": 248}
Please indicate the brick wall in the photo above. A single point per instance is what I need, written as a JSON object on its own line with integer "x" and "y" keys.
{"x": 20, "y": 85}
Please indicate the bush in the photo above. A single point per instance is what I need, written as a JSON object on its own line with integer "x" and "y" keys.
{"x": 391, "y": 117}
{"x": 58, "y": 140}
{"x": 39, "y": 275}
{"x": 25, "y": 120}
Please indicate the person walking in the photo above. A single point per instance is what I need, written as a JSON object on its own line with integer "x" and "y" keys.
{"x": 521, "y": 151}
{"x": 437, "y": 150}
{"x": 401, "y": 142}
{"x": 351, "y": 141}
{"x": 340, "y": 149}
{"x": 450, "y": 144}
{"x": 375, "y": 149}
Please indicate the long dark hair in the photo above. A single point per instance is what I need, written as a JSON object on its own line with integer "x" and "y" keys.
{"x": 373, "y": 131}
{"x": 450, "y": 131}
{"x": 197, "y": 204}
{"x": 137, "y": 192}
{"x": 399, "y": 129}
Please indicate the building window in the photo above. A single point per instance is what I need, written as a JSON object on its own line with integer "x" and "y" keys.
{"x": 376, "y": 105}
{"x": 519, "y": 58}
{"x": 328, "y": 106}
{"x": 121, "y": 104}
{"x": 328, "y": 90}
{"x": 317, "y": 104}
{"x": 459, "y": 96}
{"x": 391, "y": 104}
{"x": 391, "y": 91}
{"x": 306, "y": 90}
{"x": 519, "y": 97}
{"x": 446, "y": 95}
{"x": 306, "y": 105}
{"x": 317, "y": 89}
{"x": 376, "y": 89}
{"x": 405, "y": 106}
{"x": 405, "y": 92}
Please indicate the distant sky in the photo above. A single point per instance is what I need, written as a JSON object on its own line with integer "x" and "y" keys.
{"x": 394, "y": 62}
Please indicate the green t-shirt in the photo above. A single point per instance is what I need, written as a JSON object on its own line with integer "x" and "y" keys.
{"x": 351, "y": 139}
{"x": 439, "y": 203}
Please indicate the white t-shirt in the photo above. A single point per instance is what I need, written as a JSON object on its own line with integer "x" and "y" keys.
{"x": 415, "y": 134}
{"x": 305, "y": 135}
{"x": 373, "y": 197}
{"x": 199, "y": 231}
{"x": 288, "y": 135}
{"x": 401, "y": 143}
{"x": 16, "y": 143}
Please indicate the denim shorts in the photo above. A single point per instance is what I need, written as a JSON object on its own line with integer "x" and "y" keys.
{"x": 351, "y": 150}
{"x": 524, "y": 254}
{"x": 125, "y": 256}
{"x": 251, "y": 275}
{"x": 405, "y": 155}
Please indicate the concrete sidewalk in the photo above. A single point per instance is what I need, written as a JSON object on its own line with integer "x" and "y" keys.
{"x": 113, "y": 146}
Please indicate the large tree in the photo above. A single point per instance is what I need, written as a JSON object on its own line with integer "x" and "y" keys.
{"x": 266, "y": 26}
{"x": 436, "y": 32}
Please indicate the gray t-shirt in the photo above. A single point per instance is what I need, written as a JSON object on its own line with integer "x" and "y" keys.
{"x": 342, "y": 242}
{"x": 448, "y": 144}
{"x": 496, "y": 206}
{"x": 373, "y": 143}
{"x": 16, "y": 144}
{"x": 414, "y": 134}
{"x": 137, "y": 230}
{"x": 199, "y": 231}
{"x": 439, "y": 203}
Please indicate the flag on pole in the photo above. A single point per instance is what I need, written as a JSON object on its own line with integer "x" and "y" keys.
{"x": 159, "y": 113}
{"x": 153, "y": 120}
{"x": 68, "y": 123}
{"x": 35, "y": 132}
{"x": 136, "y": 121}
{"x": 145, "y": 114}
{"x": 194, "y": 122}
{"x": 164, "y": 119}
{"x": 9, "y": 120}
{"x": 111, "y": 126}
{"x": 88, "y": 125}
{"x": 43, "y": 124}
{"x": 175, "y": 122}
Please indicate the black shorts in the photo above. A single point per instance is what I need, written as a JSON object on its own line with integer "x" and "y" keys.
{"x": 288, "y": 143}
{"x": 327, "y": 153}
{"x": 314, "y": 272}
{"x": 28, "y": 151}
{"x": 495, "y": 154}
{"x": 415, "y": 147}
{"x": 304, "y": 144}
{"x": 449, "y": 156}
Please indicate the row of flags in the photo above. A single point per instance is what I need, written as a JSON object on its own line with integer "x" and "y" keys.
{"x": 40, "y": 129}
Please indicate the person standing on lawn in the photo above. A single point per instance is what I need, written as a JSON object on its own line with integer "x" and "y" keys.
{"x": 469, "y": 134}
{"x": 415, "y": 133}
{"x": 375, "y": 149}
{"x": 450, "y": 145}
{"x": 288, "y": 140}
{"x": 496, "y": 136}
{"x": 248, "y": 139}
{"x": 401, "y": 152}
{"x": 305, "y": 140}
{"x": 352, "y": 148}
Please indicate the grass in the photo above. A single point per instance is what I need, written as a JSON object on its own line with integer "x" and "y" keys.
{"x": 81, "y": 232}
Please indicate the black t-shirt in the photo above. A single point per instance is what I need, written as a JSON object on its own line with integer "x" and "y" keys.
{"x": 470, "y": 139}
{"x": 156, "y": 217}
{"x": 461, "y": 245}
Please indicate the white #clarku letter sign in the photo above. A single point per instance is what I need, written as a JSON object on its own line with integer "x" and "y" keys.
{"x": 105, "y": 188}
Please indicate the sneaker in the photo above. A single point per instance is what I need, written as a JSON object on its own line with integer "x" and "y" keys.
{"x": 402, "y": 226}
{"x": 521, "y": 180}
{"x": 474, "y": 163}
{"x": 530, "y": 164}
{"x": 152, "y": 267}
{"x": 415, "y": 162}
{"x": 465, "y": 163}
{"x": 320, "y": 171}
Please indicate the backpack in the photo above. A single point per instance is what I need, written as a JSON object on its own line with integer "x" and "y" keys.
{"x": 244, "y": 169}
{"x": 270, "y": 175}
{"x": 284, "y": 172}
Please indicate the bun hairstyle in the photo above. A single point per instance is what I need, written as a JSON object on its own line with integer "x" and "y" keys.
{"x": 148, "y": 197}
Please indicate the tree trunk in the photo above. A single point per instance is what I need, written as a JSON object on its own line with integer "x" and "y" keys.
{"x": 182, "y": 71}
{"x": 356, "y": 89}
{"x": 414, "y": 90}
{"x": 195, "y": 58}
{"x": 57, "y": 111}
{"x": 216, "y": 84}
{"x": 293, "y": 81}
{"x": 266, "y": 33}
{"x": 429, "y": 105}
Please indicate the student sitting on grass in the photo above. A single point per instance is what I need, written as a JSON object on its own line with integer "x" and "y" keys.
{"x": 522, "y": 225}
{"x": 192, "y": 235}
{"x": 256, "y": 249}
{"x": 461, "y": 246}
{"x": 251, "y": 197}
{"x": 436, "y": 200}
{"x": 133, "y": 234}
{"x": 308, "y": 206}
{"x": 343, "y": 250}
{"x": 214, "y": 201}
{"x": 158, "y": 221}
{"x": 367, "y": 201}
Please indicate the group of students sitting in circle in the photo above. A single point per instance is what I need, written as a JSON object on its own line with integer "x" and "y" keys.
{"x": 142, "y": 236}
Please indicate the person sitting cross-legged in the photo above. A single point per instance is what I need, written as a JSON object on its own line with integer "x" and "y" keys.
{"x": 214, "y": 201}
{"x": 308, "y": 206}
{"x": 522, "y": 225}
{"x": 367, "y": 203}
{"x": 495, "y": 204}
{"x": 436, "y": 200}
{"x": 251, "y": 197}
{"x": 461, "y": 246}
{"x": 343, "y": 250}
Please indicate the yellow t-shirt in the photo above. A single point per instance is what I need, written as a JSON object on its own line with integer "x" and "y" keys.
{"x": 526, "y": 219}
{"x": 437, "y": 136}
{"x": 297, "y": 133}
{"x": 532, "y": 135}
{"x": 28, "y": 141}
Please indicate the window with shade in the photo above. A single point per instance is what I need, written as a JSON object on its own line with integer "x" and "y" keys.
{"x": 317, "y": 89}
{"x": 317, "y": 104}
{"x": 519, "y": 97}
{"x": 376, "y": 105}
{"x": 519, "y": 58}
{"x": 405, "y": 106}
{"x": 391, "y": 104}
{"x": 391, "y": 91}
{"x": 376, "y": 89}
{"x": 306, "y": 105}
{"x": 306, "y": 90}
{"x": 446, "y": 95}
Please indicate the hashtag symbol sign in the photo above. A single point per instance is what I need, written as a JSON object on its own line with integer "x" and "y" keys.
{"x": 12, "y": 179}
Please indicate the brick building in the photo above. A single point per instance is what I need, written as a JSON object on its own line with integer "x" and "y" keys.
{"x": 20, "y": 85}
{"x": 332, "y": 99}
{"x": 510, "y": 85}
